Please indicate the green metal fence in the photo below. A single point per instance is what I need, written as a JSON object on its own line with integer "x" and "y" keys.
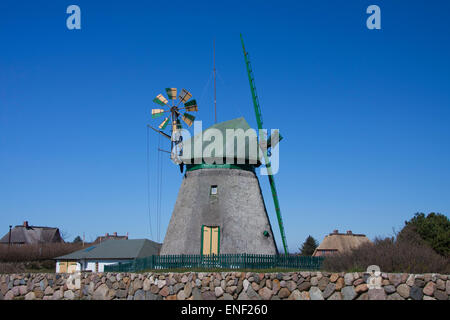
{"x": 222, "y": 261}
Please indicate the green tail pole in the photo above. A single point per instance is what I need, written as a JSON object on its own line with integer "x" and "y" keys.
{"x": 258, "y": 114}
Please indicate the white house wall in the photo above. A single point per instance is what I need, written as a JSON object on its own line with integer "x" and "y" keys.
{"x": 90, "y": 265}
{"x": 101, "y": 265}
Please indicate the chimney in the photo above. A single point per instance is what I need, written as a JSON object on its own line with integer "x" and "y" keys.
{"x": 115, "y": 234}
{"x": 336, "y": 231}
{"x": 25, "y": 224}
{"x": 349, "y": 232}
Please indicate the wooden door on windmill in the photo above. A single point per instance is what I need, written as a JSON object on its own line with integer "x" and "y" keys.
{"x": 210, "y": 240}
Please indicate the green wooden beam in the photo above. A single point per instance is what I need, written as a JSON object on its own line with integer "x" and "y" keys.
{"x": 259, "y": 121}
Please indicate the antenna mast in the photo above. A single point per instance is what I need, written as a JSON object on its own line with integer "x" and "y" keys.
{"x": 214, "y": 54}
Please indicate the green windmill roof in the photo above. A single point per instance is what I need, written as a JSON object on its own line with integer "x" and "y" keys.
{"x": 244, "y": 151}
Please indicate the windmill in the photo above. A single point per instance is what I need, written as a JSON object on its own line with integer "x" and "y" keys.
{"x": 220, "y": 207}
{"x": 173, "y": 111}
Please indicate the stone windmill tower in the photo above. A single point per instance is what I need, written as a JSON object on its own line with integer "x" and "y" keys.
{"x": 219, "y": 208}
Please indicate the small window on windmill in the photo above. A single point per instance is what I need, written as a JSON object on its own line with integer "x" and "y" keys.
{"x": 213, "y": 191}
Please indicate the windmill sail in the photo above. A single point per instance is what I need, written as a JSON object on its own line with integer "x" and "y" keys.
{"x": 188, "y": 119}
{"x": 164, "y": 124}
{"x": 184, "y": 95}
{"x": 171, "y": 93}
{"x": 191, "y": 105}
{"x": 156, "y": 113}
{"x": 161, "y": 100}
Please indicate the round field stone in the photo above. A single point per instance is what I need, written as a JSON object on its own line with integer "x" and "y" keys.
{"x": 416, "y": 293}
{"x": 349, "y": 293}
{"x": 403, "y": 290}
{"x": 315, "y": 294}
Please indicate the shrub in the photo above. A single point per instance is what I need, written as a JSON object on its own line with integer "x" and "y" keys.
{"x": 433, "y": 229}
{"x": 27, "y": 266}
{"x": 36, "y": 252}
{"x": 408, "y": 253}
{"x": 11, "y": 267}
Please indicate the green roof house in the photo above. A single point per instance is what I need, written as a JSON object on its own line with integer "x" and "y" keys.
{"x": 95, "y": 257}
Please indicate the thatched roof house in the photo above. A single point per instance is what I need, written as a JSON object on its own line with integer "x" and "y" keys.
{"x": 26, "y": 234}
{"x": 340, "y": 242}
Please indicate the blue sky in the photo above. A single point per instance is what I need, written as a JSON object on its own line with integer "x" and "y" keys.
{"x": 365, "y": 113}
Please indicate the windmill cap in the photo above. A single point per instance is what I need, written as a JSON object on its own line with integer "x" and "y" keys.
{"x": 241, "y": 146}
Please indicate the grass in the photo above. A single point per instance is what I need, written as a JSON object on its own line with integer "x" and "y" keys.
{"x": 40, "y": 270}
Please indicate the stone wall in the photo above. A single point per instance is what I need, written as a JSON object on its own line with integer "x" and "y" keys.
{"x": 223, "y": 286}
